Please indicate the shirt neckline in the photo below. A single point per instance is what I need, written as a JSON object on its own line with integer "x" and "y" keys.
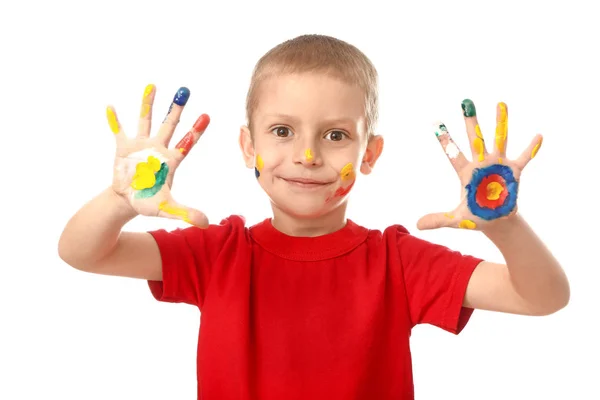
{"x": 301, "y": 248}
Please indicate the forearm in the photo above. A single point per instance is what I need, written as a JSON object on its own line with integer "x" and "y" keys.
{"x": 534, "y": 272}
{"x": 92, "y": 233}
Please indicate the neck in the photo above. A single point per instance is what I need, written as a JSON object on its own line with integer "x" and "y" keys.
{"x": 309, "y": 226}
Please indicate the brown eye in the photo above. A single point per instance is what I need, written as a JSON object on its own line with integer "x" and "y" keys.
{"x": 282, "y": 132}
{"x": 335, "y": 136}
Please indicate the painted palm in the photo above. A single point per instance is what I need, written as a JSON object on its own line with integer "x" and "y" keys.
{"x": 144, "y": 166}
{"x": 490, "y": 183}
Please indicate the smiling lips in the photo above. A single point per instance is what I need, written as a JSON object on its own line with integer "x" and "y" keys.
{"x": 306, "y": 183}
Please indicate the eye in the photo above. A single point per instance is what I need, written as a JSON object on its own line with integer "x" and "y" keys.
{"x": 335, "y": 136}
{"x": 282, "y": 132}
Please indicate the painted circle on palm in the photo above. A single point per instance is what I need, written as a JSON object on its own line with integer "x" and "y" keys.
{"x": 492, "y": 192}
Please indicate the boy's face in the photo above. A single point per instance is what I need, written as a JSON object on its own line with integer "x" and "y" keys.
{"x": 308, "y": 142}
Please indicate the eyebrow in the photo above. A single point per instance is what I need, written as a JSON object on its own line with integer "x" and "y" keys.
{"x": 297, "y": 120}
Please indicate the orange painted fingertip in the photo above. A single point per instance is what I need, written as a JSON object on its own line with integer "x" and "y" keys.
{"x": 201, "y": 123}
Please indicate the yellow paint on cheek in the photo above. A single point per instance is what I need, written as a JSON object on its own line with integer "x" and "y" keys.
{"x": 347, "y": 172}
{"x": 179, "y": 212}
{"x": 494, "y": 189}
{"x": 502, "y": 128}
{"x": 112, "y": 120}
{"x": 467, "y": 224}
{"x": 308, "y": 155}
{"x": 259, "y": 163}
{"x": 144, "y": 177}
{"x": 536, "y": 149}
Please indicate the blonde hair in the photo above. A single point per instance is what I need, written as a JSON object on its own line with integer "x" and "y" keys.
{"x": 318, "y": 53}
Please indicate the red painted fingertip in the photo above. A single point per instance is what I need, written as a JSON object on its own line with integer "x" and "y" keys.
{"x": 201, "y": 123}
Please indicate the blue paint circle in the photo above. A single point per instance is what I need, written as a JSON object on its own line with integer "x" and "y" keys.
{"x": 509, "y": 203}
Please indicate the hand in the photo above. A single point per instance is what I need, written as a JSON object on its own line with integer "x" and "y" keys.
{"x": 490, "y": 182}
{"x": 144, "y": 166}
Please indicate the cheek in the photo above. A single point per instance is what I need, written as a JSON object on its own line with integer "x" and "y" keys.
{"x": 267, "y": 159}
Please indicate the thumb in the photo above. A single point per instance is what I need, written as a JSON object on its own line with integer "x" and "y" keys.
{"x": 435, "y": 221}
{"x": 172, "y": 209}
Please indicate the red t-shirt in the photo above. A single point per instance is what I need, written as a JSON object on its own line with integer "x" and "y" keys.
{"x": 326, "y": 317}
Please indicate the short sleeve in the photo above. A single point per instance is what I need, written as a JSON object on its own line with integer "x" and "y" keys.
{"x": 188, "y": 256}
{"x": 436, "y": 280}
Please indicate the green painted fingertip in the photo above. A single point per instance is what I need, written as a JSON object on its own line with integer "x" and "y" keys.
{"x": 468, "y": 108}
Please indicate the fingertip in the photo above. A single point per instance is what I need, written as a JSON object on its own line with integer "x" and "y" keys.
{"x": 468, "y": 108}
{"x": 202, "y": 123}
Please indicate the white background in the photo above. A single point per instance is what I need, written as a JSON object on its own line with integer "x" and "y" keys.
{"x": 71, "y": 335}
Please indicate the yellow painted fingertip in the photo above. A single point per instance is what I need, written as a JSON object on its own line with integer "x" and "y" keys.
{"x": 536, "y": 149}
{"x": 467, "y": 224}
{"x": 503, "y": 113}
{"x": 112, "y": 120}
{"x": 148, "y": 90}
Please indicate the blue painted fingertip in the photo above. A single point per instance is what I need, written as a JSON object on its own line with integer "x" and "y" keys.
{"x": 182, "y": 96}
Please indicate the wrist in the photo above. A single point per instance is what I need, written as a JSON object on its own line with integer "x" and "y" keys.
{"x": 124, "y": 208}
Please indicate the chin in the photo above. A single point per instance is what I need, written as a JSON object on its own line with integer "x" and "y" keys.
{"x": 299, "y": 207}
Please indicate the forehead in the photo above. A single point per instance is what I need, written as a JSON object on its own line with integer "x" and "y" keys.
{"x": 311, "y": 96}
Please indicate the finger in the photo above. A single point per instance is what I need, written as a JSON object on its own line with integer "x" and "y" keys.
{"x": 165, "y": 133}
{"x": 444, "y": 220}
{"x": 530, "y": 152}
{"x": 172, "y": 209}
{"x": 456, "y": 157}
{"x": 114, "y": 124}
{"x": 146, "y": 112}
{"x": 191, "y": 138}
{"x": 476, "y": 141}
{"x": 501, "y": 137}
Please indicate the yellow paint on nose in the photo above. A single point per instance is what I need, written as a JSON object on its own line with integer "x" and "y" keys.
{"x": 308, "y": 155}
{"x": 494, "y": 189}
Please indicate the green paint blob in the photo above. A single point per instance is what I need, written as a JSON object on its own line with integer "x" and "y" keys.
{"x": 468, "y": 108}
{"x": 442, "y": 130}
{"x": 161, "y": 178}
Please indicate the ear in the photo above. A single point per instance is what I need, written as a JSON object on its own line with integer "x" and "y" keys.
{"x": 247, "y": 146}
{"x": 372, "y": 153}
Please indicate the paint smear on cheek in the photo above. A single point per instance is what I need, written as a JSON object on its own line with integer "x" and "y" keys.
{"x": 347, "y": 174}
{"x": 259, "y": 164}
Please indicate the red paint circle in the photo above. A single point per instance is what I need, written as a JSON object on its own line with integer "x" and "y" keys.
{"x": 481, "y": 195}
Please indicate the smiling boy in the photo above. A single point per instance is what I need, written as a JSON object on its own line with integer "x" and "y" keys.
{"x": 308, "y": 304}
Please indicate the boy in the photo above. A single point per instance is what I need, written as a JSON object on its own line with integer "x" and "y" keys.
{"x": 308, "y": 304}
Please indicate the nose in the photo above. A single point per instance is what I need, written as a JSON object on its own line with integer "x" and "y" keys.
{"x": 307, "y": 153}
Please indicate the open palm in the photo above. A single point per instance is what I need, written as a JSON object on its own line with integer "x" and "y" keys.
{"x": 144, "y": 166}
{"x": 490, "y": 182}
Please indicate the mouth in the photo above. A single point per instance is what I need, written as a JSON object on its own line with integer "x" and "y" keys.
{"x": 306, "y": 183}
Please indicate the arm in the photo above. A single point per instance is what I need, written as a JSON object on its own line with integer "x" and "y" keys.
{"x": 92, "y": 241}
{"x": 531, "y": 283}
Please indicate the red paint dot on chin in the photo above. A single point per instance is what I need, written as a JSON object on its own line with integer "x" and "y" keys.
{"x": 481, "y": 195}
